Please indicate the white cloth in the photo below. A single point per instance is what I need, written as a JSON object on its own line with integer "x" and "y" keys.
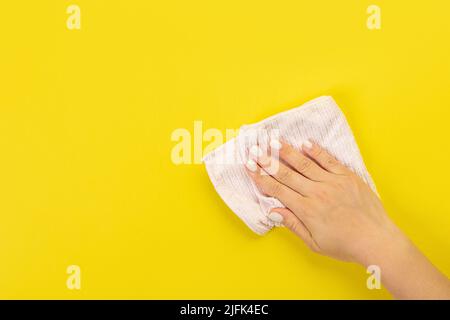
{"x": 320, "y": 120}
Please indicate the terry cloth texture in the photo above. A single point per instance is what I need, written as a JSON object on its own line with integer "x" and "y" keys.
{"x": 319, "y": 120}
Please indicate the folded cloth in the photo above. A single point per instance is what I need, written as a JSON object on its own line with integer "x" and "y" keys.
{"x": 319, "y": 120}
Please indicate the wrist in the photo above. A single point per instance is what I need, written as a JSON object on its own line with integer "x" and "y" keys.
{"x": 405, "y": 271}
{"x": 385, "y": 247}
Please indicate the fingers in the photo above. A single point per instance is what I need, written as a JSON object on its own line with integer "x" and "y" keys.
{"x": 302, "y": 163}
{"x": 323, "y": 158}
{"x": 293, "y": 223}
{"x": 273, "y": 188}
{"x": 285, "y": 175}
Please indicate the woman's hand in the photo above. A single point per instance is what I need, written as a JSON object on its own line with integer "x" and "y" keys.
{"x": 327, "y": 205}
{"x": 337, "y": 214}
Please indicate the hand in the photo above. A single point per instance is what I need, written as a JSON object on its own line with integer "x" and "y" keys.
{"x": 327, "y": 205}
{"x": 336, "y": 214}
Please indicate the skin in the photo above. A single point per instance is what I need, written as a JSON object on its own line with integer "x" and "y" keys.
{"x": 338, "y": 215}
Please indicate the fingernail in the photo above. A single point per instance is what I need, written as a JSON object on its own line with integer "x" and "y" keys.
{"x": 275, "y": 217}
{"x": 275, "y": 144}
{"x": 264, "y": 161}
{"x": 256, "y": 151}
{"x": 251, "y": 165}
{"x": 307, "y": 144}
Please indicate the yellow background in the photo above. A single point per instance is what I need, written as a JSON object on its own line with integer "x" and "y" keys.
{"x": 86, "y": 117}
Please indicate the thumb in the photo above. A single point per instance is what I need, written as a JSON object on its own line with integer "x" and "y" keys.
{"x": 293, "y": 223}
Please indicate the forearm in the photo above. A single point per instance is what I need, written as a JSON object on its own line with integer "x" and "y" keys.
{"x": 406, "y": 272}
{"x": 337, "y": 214}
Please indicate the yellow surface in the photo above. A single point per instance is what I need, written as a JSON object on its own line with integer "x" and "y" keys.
{"x": 86, "y": 117}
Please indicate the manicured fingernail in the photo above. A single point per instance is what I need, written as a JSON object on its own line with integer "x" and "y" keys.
{"x": 307, "y": 144}
{"x": 275, "y": 217}
{"x": 256, "y": 151}
{"x": 263, "y": 160}
{"x": 251, "y": 165}
{"x": 275, "y": 144}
